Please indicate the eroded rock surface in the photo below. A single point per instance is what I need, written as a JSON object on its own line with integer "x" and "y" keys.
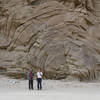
{"x": 62, "y": 37}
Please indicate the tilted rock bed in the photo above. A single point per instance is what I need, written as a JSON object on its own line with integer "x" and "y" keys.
{"x": 62, "y": 37}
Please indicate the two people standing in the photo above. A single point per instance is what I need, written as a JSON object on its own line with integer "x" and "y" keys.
{"x": 39, "y": 79}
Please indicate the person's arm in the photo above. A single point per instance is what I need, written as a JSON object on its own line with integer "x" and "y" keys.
{"x": 41, "y": 74}
{"x": 28, "y": 76}
{"x": 33, "y": 74}
{"x": 37, "y": 74}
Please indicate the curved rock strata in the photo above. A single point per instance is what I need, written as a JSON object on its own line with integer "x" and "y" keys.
{"x": 62, "y": 37}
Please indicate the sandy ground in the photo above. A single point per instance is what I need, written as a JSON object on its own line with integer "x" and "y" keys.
{"x": 11, "y": 89}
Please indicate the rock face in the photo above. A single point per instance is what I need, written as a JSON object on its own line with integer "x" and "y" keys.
{"x": 62, "y": 37}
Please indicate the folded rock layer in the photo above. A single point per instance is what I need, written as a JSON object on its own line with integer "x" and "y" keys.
{"x": 62, "y": 37}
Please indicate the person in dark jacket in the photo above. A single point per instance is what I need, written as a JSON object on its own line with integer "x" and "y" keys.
{"x": 30, "y": 78}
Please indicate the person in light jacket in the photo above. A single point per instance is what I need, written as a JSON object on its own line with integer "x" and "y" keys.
{"x": 39, "y": 79}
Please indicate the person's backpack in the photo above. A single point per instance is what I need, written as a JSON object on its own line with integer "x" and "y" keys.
{"x": 31, "y": 75}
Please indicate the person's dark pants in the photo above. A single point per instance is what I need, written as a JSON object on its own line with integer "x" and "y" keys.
{"x": 30, "y": 84}
{"x": 39, "y": 83}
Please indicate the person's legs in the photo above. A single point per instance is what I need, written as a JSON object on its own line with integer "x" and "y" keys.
{"x": 38, "y": 83}
{"x": 31, "y": 84}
